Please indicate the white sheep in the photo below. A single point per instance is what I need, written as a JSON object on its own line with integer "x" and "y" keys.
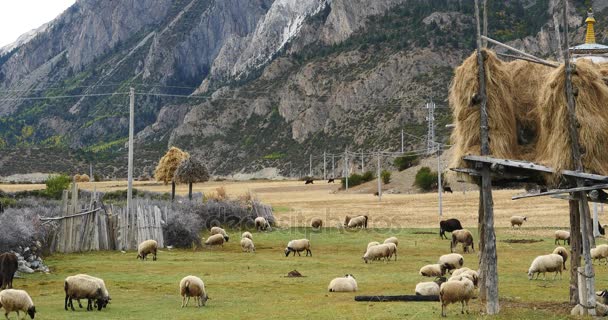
{"x": 316, "y": 223}
{"x": 147, "y": 247}
{"x": 84, "y": 287}
{"x": 392, "y": 249}
{"x": 563, "y": 236}
{"x": 430, "y": 288}
{"x": 451, "y": 261}
{"x": 17, "y": 300}
{"x": 467, "y": 273}
{"x": 376, "y": 253}
{"x": 103, "y": 287}
{"x": 247, "y": 235}
{"x": 517, "y": 221}
{"x": 547, "y": 263}
{"x": 562, "y": 252}
{"x": 433, "y": 270}
{"x": 343, "y": 284}
{"x": 247, "y": 245}
{"x": 261, "y": 223}
{"x": 298, "y": 246}
{"x": 600, "y": 252}
{"x": 192, "y": 286}
{"x": 218, "y": 230}
{"x": 463, "y": 236}
{"x": 215, "y": 240}
{"x": 392, "y": 240}
{"x": 373, "y": 243}
{"x": 358, "y": 222}
{"x": 461, "y": 291}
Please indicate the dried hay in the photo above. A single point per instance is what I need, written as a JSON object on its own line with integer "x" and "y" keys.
{"x": 81, "y": 178}
{"x": 165, "y": 170}
{"x": 191, "y": 170}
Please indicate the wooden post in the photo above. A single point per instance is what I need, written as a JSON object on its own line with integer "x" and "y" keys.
{"x": 485, "y": 22}
{"x": 575, "y": 250}
{"x": 346, "y": 167}
{"x": 379, "y": 181}
{"x": 324, "y": 165}
{"x": 172, "y": 191}
{"x": 190, "y": 191}
{"x": 310, "y": 166}
{"x": 130, "y": 161}
{"x": 489, "y": 280}
{"x": 362, "y": 164}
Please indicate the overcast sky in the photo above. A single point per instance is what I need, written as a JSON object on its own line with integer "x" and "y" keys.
{"x": 20, "y": 16}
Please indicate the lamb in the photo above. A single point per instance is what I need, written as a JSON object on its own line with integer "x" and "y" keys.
{"x": 547, "y": 263}
{"x": 84, "y": 287}
{"x": 247, "y": 245}
{"x": 562, "y": 235}
{"x": 103, "y": 288}
{"x": 392, "y": 250}
{"x": 17, "y": 300}
{"x": 600, "y": 252}
{"x": 215, "y": 240}
{"x": 147, "y": 247}
{"x": 448, "y": 226}
{"x": 392, "y": 240}
{"x": 463, "y": 236}
{"x": 8, "y": 266}
{"x": 430, "y": 288}
{"x": 563, "y": 253}
{"x": 451, "y": 261}
{"x": 377, "y": 252}
{"x": 461, "y": 291}
{"x": 298, "y": 246}
{"x": 433, "y": 270}
{"x": 343, "y": 284}
{"x": 316, "y": 223}
{"x": 192, "y": 286}
{"x": 261, "y": 224}
{"x": 247, "y": 235}
{"x": 218, "y": 230}
{"x": 517, "y": 220}
{"x": 357, "y": 222}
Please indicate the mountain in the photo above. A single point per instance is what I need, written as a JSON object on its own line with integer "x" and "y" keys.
{"x": 245, "y": 84}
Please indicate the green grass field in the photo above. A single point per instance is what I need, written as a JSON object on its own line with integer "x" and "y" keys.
{"x": 254, "y": 286}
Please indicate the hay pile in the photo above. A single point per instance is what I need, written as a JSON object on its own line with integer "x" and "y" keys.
{"x": 82, "y": 178}
{"x": 165, "y": 170}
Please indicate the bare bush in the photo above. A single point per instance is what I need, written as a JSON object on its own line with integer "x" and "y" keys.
{"x": 21, "y": 227}
{"x": 183, "y": 230}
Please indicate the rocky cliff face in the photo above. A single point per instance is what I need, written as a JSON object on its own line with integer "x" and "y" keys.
{"x": 274, "y": 79}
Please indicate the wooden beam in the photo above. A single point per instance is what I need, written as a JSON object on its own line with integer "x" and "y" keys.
{"x": 560, "y": 191}
{"x": 510, "y": 163}
{"x": 498, "y": 43}
{"x": 415, "y": 298}
{"x": 526, "y": 59}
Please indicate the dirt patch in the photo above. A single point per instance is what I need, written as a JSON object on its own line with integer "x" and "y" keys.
{"x": 552, "y": 307}
{"x": 294, "y": 274}
{"x": 521, "y": 240}
{"x": 424, "y": 232}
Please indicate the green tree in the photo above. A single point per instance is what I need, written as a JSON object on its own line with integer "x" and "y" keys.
{"x": 56, "y": 184}
{"x": 425, "y": 179}
{"x": 386, "y": 176}
{"x": 406, "y": 161}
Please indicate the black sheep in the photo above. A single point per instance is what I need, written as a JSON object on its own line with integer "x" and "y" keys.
{"x": 448, "y": 226}
{"x": 331, "y": 180}
{"x": 309, "y": 181}
{"x": 8, "y": 267}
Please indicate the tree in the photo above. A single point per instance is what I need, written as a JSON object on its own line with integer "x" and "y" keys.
{"x": 165, "y": 170}
{"x": 386, "y": 176}
{"x": 191, "y": 171}
{"x": 425, "y": 179}
{"x": 406, "y": 161}
{"x": 56, "y": 184}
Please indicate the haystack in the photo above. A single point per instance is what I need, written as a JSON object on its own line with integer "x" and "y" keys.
{"x": 165, "y": 170}
{"x": 81, "y": 178}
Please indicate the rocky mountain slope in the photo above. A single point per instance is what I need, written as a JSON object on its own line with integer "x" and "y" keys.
{"x": 267, "y": 82}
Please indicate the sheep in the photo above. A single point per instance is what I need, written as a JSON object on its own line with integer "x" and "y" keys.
{"x": 309, "y": 181}
{"x": 562, "y": 235}
{"x": 316, "y": 223}
{"x": 467, "y": 273}
{"x": 461, "y": 291}
{"x": 79, "y": 287}
{"x": 433, "y": 270}
{"x": 600, "y": 252}
{"x": 430, "y": 288}
{"x": 601, "y": 305}
{"x": 377, "y": 252}
{"x": 392, "y": 240}
{"x": 392, "y": 250}
{"x": 215, "y": 240}
{"x": 192, "y": 286}
{"x": 547, "y": 263}
{"x": 218, "y": 230}
{"x": 448, "y": 225}
{"x": 261, "y": 224}
{"x": 103, "y": 288}
{"x": 451, "y": 261}
{"x": 247, "y": 245}
{"x": 8, "y": 266}
{"x": 463, "y": 236}
{"x": 343, "y": 284}
{"x": 147, "y": 247}
{"x": 373, "y": 243}
{"x": 247, "y": 235}
{"x": 517, "y": 220}
{"x": 297, "y": 246}
{"x": 357, "y": 222}
{"x": 563, "y": 253}
{"x": 331, "y": 180}
{"x": 17, "y": 300}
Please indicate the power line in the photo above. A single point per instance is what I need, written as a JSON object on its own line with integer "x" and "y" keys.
{"x": 66, "y": 96}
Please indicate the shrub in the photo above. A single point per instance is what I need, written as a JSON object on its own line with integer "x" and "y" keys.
{"x": 386, "y": 176}
{"x": 368, "y": 176}
{"x": 22, "y": 227}
{"x": 356, "y": 179}
{"x": 8, "y": 202}
{"x": 56, "y": 184}
{"x": 183, "y": 230}
{"x": 407, "y": 161}
{"x": 425, "y": 179}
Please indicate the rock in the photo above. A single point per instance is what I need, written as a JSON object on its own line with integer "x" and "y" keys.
{"x": 35, "y": 264}
{"x": 25, "y": 269}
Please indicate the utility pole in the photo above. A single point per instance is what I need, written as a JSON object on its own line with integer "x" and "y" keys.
{"x": 324, "y": 166}
{"x": 346, "y": 167}
{"x": 379, "y": 182}
{"x": 362, "y": 163}
{"x": 130, "y": 165}
{"x": 333, "y": 167}
{"x": 91, "y": 172}
{"x": 401, "y": 141}
{"x": 310, "y": 167}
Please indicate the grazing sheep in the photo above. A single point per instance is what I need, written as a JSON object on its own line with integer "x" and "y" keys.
{"x": 600, "y": 252}
{"x": 331, "y": 180}
{"x": 79, "y": 287}
{"x": 433, "y": 270}
{"x": 392, "y": 250}
{"x": 103, "y": 288}
{"x": 247, "y": 235}
{"x": 448, "y": 225}
{"x": 430, "y": 288}
{"x": 192, "y": 286}
{"x": 261, "y": 224}
{"x": 298, "y": 246}
{"x": 517, "y": 221}
{"x": 215, "y": 240}
{"x": 8, "y": 266}
{"x": 316, "y": 223}
{"x": 562, "y": 235}
{"x": 447, "y": 189}
{"x": 467, "y": 273}
{"x": 463, "y": 236}
{"x": 377, "y": 252}
{"x": 147, "y": 247}
{"x": 547, "y": 263}
{"x": 451, "y": 261}
{"x": 218, "y": 230}
{"x": 373, "y": 243}
{"x": 247, "y": 245}
{"x": 461, "y": 291}
{"x": 563, "y": 253}
{"x": 392, "y": 240}
{"x": 309, "y": 181}
{"x": 343, "y": 284}
{"x": 357, "y": 222}
{"x": 16, "y": 300}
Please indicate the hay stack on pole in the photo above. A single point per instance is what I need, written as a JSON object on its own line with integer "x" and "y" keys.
{"x": 165, "y": 170}
{"x": 191, "y": 171}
